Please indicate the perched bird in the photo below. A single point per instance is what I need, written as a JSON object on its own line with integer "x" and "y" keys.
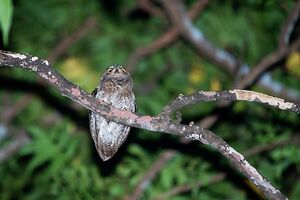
{"x": 115, "y": 88}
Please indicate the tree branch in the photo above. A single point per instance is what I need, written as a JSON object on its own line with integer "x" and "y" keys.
{"x": 188, "y": 187}
{"x": 289, "y": 26}
{"x": 17, "y": 142}
{"x": 143, "y": 183}
{"x": 195, "y": 37}
{"x": 228, "y": 96}
{"x": 157, "y": 123}
{"x": 266, "y": 63}
{"x": 165, "y": 39}
{"x": 147, "y": 6}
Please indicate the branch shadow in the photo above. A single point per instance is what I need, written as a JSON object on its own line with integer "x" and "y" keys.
{"x": 12, "y": 84}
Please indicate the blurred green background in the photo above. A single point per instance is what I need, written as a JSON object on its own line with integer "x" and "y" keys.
{"x": 59, "y": 160}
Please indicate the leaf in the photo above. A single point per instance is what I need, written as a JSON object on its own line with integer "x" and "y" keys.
{"x": 296, "y": 191}
{"x": 166, "y": 178}
{"x": 79, "y": 71}
{"x": 196, "y": 75}
{"x": 293, "y": 63}
{"x": 6, "y": 13}
{"x": 52, "y": 148}
{"x": 215, "y": 85}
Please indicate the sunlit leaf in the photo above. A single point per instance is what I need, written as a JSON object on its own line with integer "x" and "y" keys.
{"x": 293, "y": 63}
{"x": 196, "y": 75}
{"x": 79, "y": 71}
{"x": 215, "y": 85}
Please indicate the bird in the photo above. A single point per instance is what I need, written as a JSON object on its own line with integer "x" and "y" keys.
{"x": 115, "y": 88}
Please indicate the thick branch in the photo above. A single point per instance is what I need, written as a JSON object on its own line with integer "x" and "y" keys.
{"x": 43, "y": 69}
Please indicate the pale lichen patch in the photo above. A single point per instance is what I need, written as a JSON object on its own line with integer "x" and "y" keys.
{"x": 45, "y": 76}
{"x": 285, "y": 105}
{"x": 75, "y": 91}
{"x": 194, "y": 136}
{"x": 34, "y": 68}
{"x": 46, "y": 62}
{"x": 263, "y": 98}
{"x": 16, "y": 55}
{"x": 209, "y": 93}
{"x": 34, "y": 58}
{"x": 230, "y": 150}
{"x": 180, "y": 96}
{"x": 85, "y": 102}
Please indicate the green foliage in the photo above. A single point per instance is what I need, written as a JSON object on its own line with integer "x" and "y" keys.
{"x": 6, "y": 13}
{"x": 60, "y": 162}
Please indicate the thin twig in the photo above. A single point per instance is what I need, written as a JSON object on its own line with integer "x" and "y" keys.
{"x": 289, "y": 26}
{"x": 66, "y": 42}
{"x": 10, "y": 149}
{"x": 143, "y": 183}
{"x": 10, "y": 112}
{"x": 188, "y": 187}
{"x": 147, "y": 6}
{"x": 271, "y": 146}
{"x": 266, "y": 63}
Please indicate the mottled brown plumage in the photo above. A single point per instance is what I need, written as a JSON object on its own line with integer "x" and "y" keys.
{"x": 116, "y": 89}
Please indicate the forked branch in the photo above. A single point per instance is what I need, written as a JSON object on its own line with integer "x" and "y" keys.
{"x": 158, "y": 123}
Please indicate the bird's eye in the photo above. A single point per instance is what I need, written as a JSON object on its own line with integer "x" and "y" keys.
{"x": 109, "y": 70}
